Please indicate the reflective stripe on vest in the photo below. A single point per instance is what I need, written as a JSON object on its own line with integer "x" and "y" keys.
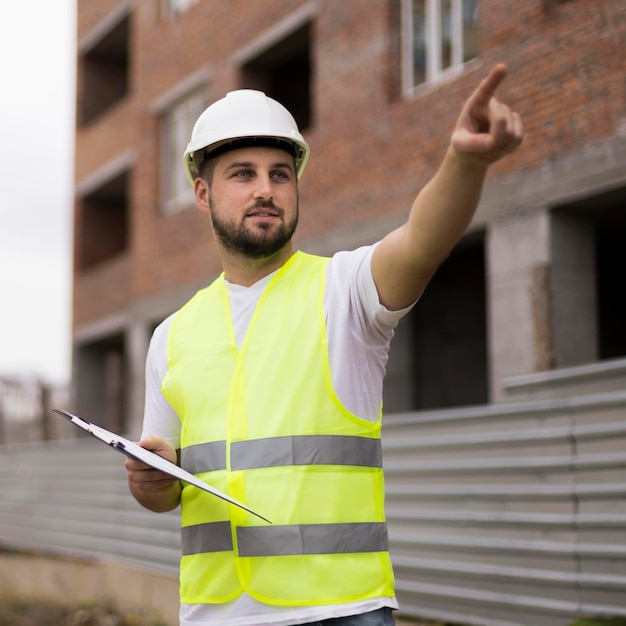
{"x": 280, "y": 451}
{"x": 211, "y": 537}
{"x": 204, "y": 457}
{"x": 286, "y": 540}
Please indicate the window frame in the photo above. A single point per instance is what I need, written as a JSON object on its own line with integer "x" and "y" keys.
{"x": 434, "y": 72}
{"x": 175, "y": 124}
{"x": 172, "y": 8}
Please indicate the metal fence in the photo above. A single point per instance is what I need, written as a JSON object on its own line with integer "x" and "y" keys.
{"x": 501, "y": 515}
{"x": 511, "y": 514}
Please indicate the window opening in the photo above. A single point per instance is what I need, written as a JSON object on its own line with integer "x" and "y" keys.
{"x": 283, "y": 72}
{"x": 103, "y": 222}
{"x": 104, "y": 71}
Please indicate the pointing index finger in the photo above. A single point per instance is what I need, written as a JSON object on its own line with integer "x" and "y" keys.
{"x": 487, "y": 88}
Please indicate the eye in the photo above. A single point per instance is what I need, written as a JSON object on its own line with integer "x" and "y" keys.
{"x": 243, "y": 174}
{"x": 281, "y": 175}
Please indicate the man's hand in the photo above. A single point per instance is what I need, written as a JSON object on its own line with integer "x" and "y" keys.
{"x": 153, "y": 488}
{"x": 406, "y": 259}
{"x": 487, "y": 129}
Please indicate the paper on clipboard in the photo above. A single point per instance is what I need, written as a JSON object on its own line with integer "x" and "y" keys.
{"x": 132, "y": 450}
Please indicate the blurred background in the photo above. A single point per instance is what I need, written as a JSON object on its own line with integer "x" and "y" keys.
{"x": 505, "y": 397}
{"x": 37, "y": 62}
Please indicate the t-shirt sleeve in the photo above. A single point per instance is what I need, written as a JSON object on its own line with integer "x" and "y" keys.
{"x": 160, "y": 419}
{"x": 359, "y": 331}
{"x": 354, "y": 271}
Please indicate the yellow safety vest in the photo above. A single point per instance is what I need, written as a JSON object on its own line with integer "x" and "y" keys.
{"x": 264, "y": 425}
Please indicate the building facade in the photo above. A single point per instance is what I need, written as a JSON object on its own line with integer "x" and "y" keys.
{"x": 376, "y": 86}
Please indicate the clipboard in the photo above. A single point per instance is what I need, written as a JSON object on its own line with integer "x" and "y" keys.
{"x": 133, "y": 451}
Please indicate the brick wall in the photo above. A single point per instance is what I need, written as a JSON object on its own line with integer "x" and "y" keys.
{"x": 372, "y": 150}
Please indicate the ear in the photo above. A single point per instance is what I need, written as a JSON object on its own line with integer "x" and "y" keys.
{"x": 201, "y": 193}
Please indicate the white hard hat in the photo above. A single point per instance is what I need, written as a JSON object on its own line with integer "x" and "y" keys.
{"x": 243, "y": 118}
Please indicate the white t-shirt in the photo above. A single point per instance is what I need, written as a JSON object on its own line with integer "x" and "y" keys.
{"x": 359, "y": 331}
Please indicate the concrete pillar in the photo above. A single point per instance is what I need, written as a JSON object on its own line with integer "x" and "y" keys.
{"x": 137, "y": 341}
{"x": 518, "y": 298}
{"x": 575, "y": 318}
{"x": 90, "y": 399}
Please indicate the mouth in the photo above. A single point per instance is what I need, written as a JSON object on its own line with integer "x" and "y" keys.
{"x": 263, "y": 213}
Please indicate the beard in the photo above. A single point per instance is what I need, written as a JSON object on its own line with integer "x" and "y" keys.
{"x": 263, "y": 242}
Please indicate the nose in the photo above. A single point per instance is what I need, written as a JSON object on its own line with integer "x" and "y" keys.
{"x": 263, "y": 189}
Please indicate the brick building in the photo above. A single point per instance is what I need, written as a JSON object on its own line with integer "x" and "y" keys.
{"x": 376, "y": 86}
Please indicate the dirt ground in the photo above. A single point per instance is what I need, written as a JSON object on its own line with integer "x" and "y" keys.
{"x": 79, "y": 592}
{"x": 14, "y": 613}
{"x": 28, "y": 613}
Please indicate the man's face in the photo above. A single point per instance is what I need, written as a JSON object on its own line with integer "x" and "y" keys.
{"x": 253, "y": 201}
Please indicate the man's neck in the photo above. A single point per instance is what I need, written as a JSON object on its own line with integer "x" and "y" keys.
{"x": 245, "y": 271}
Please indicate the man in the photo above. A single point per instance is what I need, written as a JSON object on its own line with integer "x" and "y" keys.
{"x": 268, "y": 383}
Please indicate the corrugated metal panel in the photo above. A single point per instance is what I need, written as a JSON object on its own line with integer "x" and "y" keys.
{"x": 73, "y": 498}
{"x": 509, "y": 515}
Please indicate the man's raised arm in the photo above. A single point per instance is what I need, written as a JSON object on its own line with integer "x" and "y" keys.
{"x": 407, "y": 258}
